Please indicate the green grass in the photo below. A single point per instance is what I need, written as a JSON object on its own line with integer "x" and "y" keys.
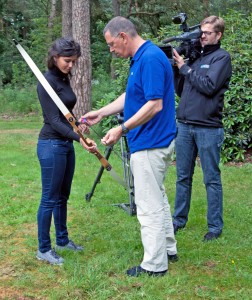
{"x": 216, "y": 270}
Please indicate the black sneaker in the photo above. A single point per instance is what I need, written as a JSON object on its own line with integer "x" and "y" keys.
{"x": 138, "y": 270}
{"x": 172, "y": 258}
{"x": 211, "y": 236}
{"x": 177, "y": 227}
{"x": 70, "y": 246}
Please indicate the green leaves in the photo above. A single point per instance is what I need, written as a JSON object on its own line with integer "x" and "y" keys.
{"x": 237, "y": 114}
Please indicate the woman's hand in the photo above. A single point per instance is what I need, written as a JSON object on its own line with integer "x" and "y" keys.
{"x": 92, "y": 148}
{"x": 83, "y": 128}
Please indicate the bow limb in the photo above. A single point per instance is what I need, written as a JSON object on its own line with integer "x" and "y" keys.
{"x": 70, "y": 118}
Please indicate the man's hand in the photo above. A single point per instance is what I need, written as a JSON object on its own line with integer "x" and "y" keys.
{"x": 91, "y": 118}
{"x": 112, "y": 136}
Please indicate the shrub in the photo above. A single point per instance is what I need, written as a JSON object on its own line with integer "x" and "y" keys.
{"x": 105, "y": 90}
{"x": 237, "y": 117}
{"x": 237, "y": 114}
{"x": 23, "y": 100}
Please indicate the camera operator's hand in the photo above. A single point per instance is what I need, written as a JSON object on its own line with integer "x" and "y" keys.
{"x": 91, "y": 118}
{"x": 178, "y": 59}
{"x": 112, "y": 136}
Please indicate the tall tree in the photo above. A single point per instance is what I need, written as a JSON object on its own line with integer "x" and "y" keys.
{"x": 81, "y": 81}
{"x": 52, "y": 13}
{"x": 205, "y": 4}
{"x": 116, "y": 7}
{"x": 116, "y": 12}
{"x": 52, "y": 18}
{"x": 67, "y": 18}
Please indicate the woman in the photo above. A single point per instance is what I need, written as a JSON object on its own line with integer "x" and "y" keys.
{"x": 56, "y": 152}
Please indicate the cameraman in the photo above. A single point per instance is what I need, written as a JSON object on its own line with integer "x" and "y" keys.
{"x": 201, "y": 85}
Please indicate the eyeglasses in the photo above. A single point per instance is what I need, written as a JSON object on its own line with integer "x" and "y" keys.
{"x": 111, "y": 44}
{"x": 207, "y": 32}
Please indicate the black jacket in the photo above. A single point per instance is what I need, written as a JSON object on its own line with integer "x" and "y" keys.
{"x": 201, "y": 86}
{"x": 56, "y": 125}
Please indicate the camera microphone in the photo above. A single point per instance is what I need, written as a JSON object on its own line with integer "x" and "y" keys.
{"x": 173, "y": 38}
{"x": 185, "y": 36}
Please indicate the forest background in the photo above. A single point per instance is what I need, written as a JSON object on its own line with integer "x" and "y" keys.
{"x": 99, "y": 77}
{"x": 219, "y": 270}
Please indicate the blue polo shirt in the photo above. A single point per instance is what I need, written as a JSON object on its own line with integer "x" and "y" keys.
{"x": 150, "y": 78}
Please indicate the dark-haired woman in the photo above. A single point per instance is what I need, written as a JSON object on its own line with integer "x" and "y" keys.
{"x": 56, "y": 152}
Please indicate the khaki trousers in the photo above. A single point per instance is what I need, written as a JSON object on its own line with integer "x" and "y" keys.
{"x": 149, "y": 168}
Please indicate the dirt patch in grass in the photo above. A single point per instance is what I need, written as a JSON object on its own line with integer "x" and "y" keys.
{"x": 14, "y": 116}
{"x": 12, "y": 294}
{"x": 7, "y": 271}
{"x": 19, "y": 131}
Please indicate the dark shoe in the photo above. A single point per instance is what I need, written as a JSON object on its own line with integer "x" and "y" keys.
{"x": 177, "y": 227}
{"x": 211, "y": 236}
{"x": 138, "y": 270}
{"x": 172, "y": 258}
{"x": 70, "y": 246}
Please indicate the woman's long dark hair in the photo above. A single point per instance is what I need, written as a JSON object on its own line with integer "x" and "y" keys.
{"x": 65, "y": 46}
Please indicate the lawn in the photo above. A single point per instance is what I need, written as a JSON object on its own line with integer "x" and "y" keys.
{"x": 220, "y": 269}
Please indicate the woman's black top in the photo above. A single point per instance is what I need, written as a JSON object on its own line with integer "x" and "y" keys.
{"x": 56, "y": 125}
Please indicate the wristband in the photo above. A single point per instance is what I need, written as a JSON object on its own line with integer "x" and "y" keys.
{"x": 125, "y": 130}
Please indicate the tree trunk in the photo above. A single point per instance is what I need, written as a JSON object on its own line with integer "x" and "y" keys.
{"x": 51, "y": 18}
{"x": 81, "y": 81}
{"x": 116, "y": 7}
{"x": 67, "y": 18}
{"x": 206, "y": 8}
{"x": 116, "y": 12}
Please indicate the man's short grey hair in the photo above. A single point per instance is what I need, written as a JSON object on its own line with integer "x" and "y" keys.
{"x": 120, "y": 24}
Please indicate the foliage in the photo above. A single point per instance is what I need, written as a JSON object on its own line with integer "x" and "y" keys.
{"x": 27, "y": 21}
{"x": 237, "y": 117}
{"x": 114, "y": 89}
{"x": 219, "y": 269}
{"x": 16, "y": 23}
{"x": 102, "y": 95}
{"x": 7, "y": 54}
{"x": 222, "y": 7}
{"x": 108, "y": 122}
{"x": 37, "y": 47}
{"x": 21, "y": 101}
{"x": 99, "y": 49}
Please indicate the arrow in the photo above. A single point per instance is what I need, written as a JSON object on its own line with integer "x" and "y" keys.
{"x": 70, "y": 118}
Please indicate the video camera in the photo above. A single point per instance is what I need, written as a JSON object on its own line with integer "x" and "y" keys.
{"x": 190, "y": 47}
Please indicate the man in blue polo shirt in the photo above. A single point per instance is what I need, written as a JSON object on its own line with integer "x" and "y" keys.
{"x": 149, "y": 122}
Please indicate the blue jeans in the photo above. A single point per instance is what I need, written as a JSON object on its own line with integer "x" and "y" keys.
{"x": 205, "y": 142}
{"x": 57, "y": 161}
